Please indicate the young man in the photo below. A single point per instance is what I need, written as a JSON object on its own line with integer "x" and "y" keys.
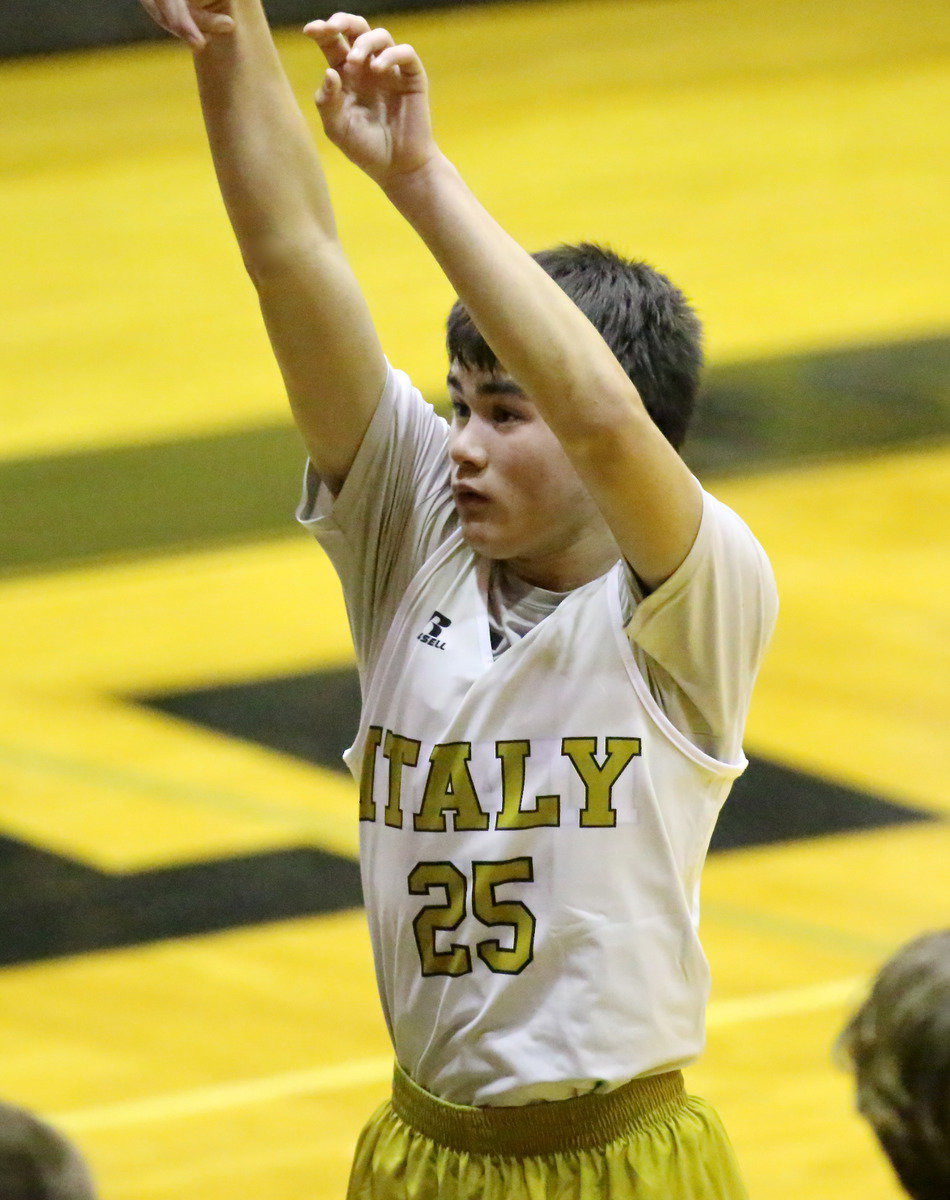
{"x": 557, "y": 632}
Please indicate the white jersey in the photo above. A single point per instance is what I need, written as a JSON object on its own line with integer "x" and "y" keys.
{"x": 533, "y": 825}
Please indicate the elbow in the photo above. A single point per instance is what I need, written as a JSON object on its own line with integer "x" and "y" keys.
{"x": 605, "y": 418}
{"x": 274, "y": 257}
{"x": 267, "y": 260}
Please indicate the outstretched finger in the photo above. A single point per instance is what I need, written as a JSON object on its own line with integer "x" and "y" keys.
{"x": 349, "y": 24}
{"x": 406, "y": 59}
{"x": 176, "y": 17}
{"x": 213, "y": 22}
{"x": 334, "y": 45}
{"x": 336, "y": 35}
{"x": 369, "y": 44}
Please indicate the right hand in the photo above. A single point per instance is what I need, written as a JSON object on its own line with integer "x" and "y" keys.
{"x": 191, "y": 21}
{"x": 374, "y": 102}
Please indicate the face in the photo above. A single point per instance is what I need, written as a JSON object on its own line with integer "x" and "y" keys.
{"x": 517, "y": 494}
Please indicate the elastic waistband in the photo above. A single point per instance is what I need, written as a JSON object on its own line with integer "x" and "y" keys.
{"x": 551, "y": 1127}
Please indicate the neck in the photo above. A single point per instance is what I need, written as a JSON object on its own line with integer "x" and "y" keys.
{"x": 566, "y": 569}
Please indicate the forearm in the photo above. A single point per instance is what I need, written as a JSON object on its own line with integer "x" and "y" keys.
{"x": 267, "y": 166}
{"x": 540, "y": 337}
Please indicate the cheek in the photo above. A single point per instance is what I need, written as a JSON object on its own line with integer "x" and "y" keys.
{"x": 550, "y": 481}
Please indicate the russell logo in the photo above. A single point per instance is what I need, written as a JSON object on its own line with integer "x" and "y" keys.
{"x": 432, "y": 634}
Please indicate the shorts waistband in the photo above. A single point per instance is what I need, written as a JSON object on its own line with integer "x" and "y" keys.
{"x": 553, "y": 1127}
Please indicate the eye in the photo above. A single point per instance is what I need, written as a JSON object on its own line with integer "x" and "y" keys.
{"x": 459, "y": 410}
{"x": 505, "y": 416}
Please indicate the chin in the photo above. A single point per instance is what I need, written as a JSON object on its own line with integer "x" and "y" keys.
{"x": 479, "y": 542}
{"x": 483, "y": 542}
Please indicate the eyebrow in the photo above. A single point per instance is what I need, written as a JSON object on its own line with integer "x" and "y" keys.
{"x": 491, "y": 387}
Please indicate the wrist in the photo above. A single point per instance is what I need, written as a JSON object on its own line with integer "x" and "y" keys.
{"x": 409, "y": 191}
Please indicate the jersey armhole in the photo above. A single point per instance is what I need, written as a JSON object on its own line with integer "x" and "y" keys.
{"x": 725, "y": 770}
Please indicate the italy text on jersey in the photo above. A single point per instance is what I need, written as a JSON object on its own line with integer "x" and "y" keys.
{"x": 448, "y": 785}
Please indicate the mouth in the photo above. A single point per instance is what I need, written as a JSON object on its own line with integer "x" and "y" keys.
{"x": 468, "y": 497}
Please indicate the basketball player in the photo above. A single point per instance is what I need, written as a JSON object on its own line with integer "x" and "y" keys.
{"x": 557, "y": 632}
{"x": 898, "y": 1045}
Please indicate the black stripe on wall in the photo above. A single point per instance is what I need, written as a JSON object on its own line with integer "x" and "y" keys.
{"x": 243, "y": 486}
{"x": 315, "y": 716}
{"x": 45, "y": 26}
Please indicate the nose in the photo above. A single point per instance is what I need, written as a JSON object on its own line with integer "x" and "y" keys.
{"x": 467, "y": 444}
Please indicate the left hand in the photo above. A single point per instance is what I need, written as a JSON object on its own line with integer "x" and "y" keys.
{"x": 191, "y": 21}
{"x": 374, "y": 102}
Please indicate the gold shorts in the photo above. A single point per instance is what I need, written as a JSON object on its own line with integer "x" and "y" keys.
{"x": 647, "y": 1140}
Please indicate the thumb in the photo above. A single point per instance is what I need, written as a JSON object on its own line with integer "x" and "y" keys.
{"x": 330, "y": 96}
{"x": 213, "y": 22}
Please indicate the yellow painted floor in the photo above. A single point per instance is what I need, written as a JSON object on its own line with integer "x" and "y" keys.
{"x": 786, "y": 165}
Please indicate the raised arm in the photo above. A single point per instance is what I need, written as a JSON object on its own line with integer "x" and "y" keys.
{"x": 276, "y": 197}
{"x": 646, "y": 493}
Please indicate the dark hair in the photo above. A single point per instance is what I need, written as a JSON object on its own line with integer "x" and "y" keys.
{"x": 37, "y": 1162}
{"x": 898, "y": 1044}
{"x": 643, "y": 317}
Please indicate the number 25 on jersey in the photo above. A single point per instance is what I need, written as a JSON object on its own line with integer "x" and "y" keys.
{"x": 428, "y": 877}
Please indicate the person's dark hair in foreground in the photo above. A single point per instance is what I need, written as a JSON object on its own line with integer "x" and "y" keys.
{"x": 898, "y": 1045}
{"x": 37, "y": 1162}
